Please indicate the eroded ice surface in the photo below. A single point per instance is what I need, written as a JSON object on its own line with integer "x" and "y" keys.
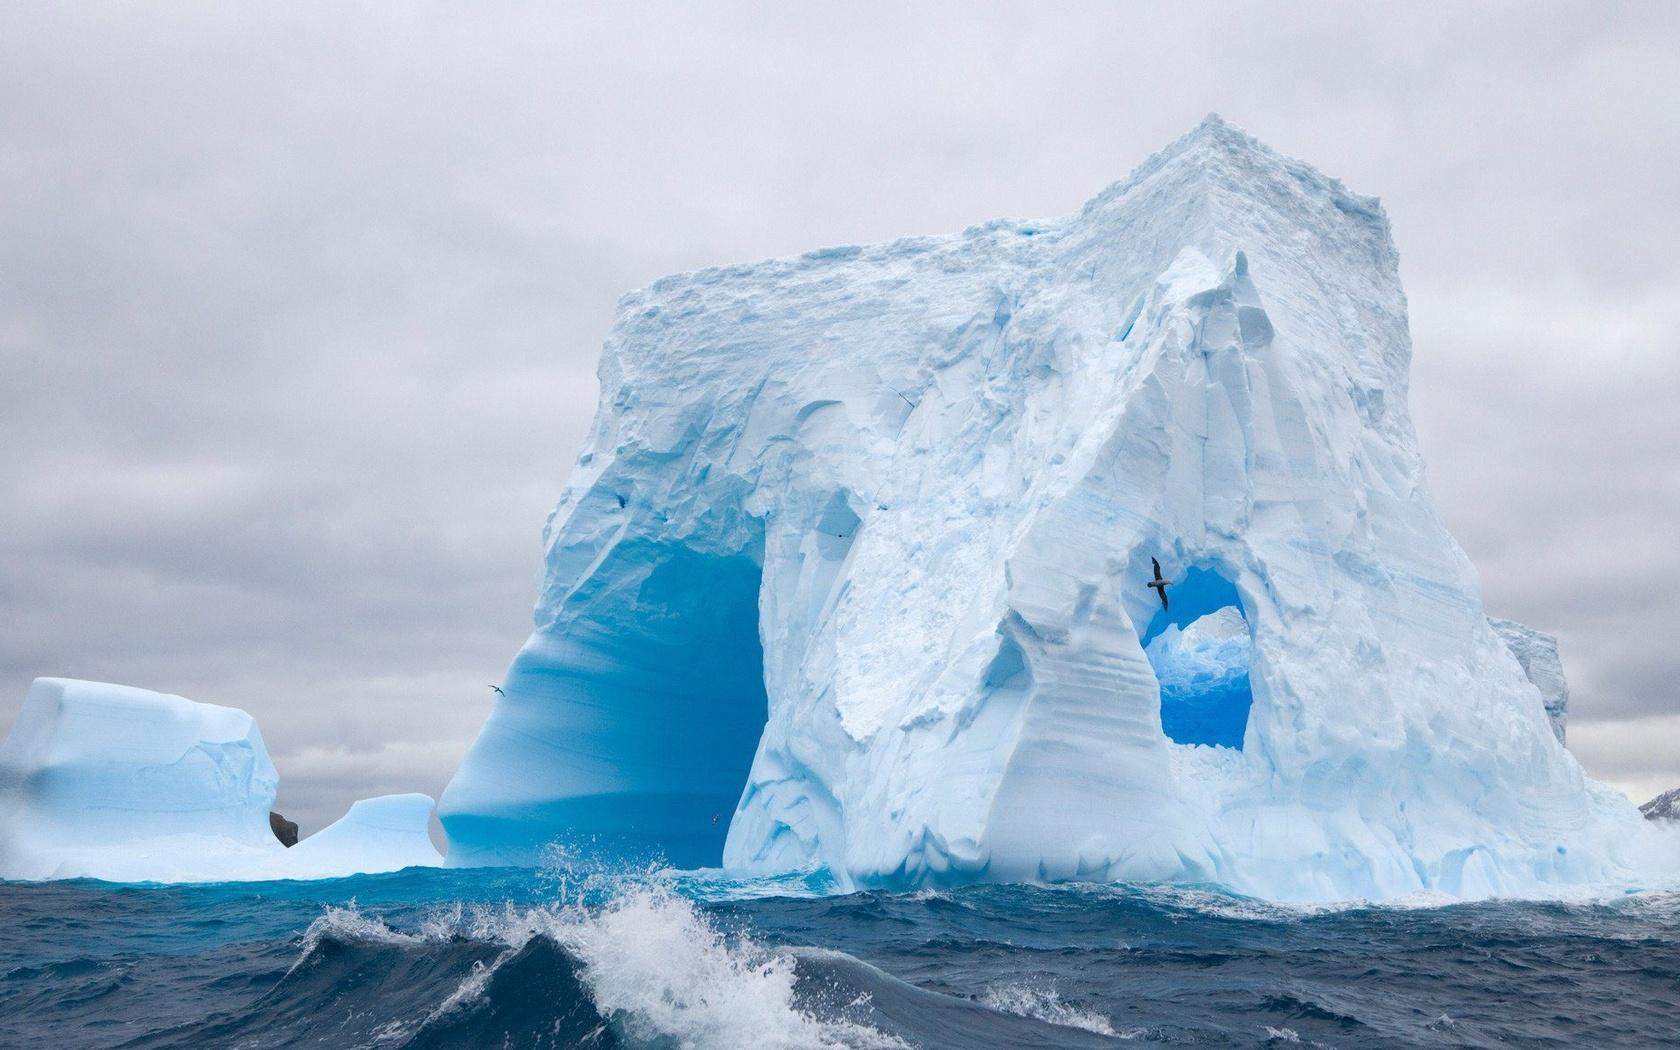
{"x": 1537, "y": 652}
{"x": 112, "y": 782}
{"x": 850, "y": 573}
{"x": 1203, "y": 671}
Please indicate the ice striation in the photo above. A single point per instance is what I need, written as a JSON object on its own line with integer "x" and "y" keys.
{"x": 112, "y": 782}
{"x": 1537, "y": 652}
{"x": 850, "y": 574}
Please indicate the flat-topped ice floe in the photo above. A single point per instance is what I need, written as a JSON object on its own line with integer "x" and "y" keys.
{"x": 112, "y": 782}
{"x": 851, "y": 573}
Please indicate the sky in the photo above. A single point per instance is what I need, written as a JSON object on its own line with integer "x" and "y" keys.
{"x": 300, "y": 305}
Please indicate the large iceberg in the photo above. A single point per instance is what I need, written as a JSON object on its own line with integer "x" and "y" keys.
{"x": 850, "y": 575}
{"x": 112, "y": 782}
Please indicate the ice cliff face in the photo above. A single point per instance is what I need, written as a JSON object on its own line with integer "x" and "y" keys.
{"x": 112, "y": 782}
{"x": 850, "y": 575}
{"x": 1537, "y": 652}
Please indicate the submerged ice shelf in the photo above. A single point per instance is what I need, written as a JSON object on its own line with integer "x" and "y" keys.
{"x": 117, "y": 783}
{"x": 850, "y": 573}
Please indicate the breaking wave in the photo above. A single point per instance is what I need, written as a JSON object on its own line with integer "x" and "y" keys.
{"x": 583, "y": 957}
{"x": 644, "y": 968}
{"x": 1026, "y": 1000}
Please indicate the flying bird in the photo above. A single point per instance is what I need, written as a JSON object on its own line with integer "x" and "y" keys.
{"x": 1158, "y": 583}
{"x": 498, "y": 689}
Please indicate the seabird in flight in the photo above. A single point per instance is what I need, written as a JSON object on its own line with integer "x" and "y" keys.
{"x": 499, "y": 692}
{"x": 1158, "y": 583}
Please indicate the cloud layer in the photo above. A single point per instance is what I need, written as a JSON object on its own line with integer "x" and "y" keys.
{"x": 300, "y": 308}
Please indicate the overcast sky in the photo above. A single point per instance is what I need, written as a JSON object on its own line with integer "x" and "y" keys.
{"x": 300, "y": 305}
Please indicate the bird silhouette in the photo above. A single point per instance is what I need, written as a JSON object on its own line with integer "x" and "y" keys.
{"x": 498, "y": 689}
{"x": 1159, "y": 584}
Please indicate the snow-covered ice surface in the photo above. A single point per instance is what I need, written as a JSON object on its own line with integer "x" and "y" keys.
{"x": 386, "y": 833}
{"x": 850, "y": 575}
{"x": 112, "y": 782}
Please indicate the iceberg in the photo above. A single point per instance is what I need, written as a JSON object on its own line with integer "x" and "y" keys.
{"x": 124, "y": 784}
{"x": 849, "y": 577}
{"x": 115, "y": 782}
{"x": 386, "y": 833}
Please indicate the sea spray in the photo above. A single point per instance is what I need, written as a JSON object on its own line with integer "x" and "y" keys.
{"x": 438, "y": 959}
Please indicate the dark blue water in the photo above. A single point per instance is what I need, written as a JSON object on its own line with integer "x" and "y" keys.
{"x": 493, "y": 958}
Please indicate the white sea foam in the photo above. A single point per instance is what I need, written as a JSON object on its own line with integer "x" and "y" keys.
{"x": 1223, "y": 904}
{"x": 657, "y": 968}
{"x": 1045, "y": 1004}
{"x": 468, "y": 991}
{"x": 348, "y": 923}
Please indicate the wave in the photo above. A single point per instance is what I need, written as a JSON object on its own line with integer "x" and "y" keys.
{"x": 637, "y": 965}
{"x": 1046, "y": 1004}
{"x": 645, "y": 968}
{"x": 925, "y": 1018}
{"x": 660, "y": 970}
{"x": 594, "y": 957}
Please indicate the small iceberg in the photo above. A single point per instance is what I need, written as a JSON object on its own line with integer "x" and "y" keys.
{"x": 127, "y": 785}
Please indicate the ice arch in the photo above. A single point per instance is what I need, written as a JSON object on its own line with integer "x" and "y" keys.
{"x": 652, "y": 702}
{"x": 935, "y": 454}
{"x": 1200, "y": 649}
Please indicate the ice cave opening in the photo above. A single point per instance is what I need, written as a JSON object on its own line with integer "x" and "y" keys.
{"x": 1200, "y": 648}
{"x": 651, "y": 688}
{"x": 689, "y": 704}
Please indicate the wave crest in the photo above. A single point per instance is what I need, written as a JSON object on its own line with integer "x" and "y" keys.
{"x": 651, "y": 964}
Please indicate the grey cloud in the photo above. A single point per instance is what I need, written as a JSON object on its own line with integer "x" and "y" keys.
{"x": 1635, "y": 755}
{"x": 300, "y": 307}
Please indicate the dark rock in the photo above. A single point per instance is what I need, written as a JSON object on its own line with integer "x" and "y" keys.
{"x": 1665, "y": 806}
{"x": 284, "y": 830}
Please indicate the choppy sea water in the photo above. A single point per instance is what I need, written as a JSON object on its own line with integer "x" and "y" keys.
{"x": 515, "y": 958}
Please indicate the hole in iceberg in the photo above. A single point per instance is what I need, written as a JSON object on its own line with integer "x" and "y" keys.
{"x": 1200, "y": 651}
{"x": 654, "y": 697}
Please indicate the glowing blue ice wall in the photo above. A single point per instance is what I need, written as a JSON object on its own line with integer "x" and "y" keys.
{"x": 651, "y": 701}
{"x": 1200, "y": 650}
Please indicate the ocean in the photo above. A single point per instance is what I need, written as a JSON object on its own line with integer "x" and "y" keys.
{"x": 564, "y": 957}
